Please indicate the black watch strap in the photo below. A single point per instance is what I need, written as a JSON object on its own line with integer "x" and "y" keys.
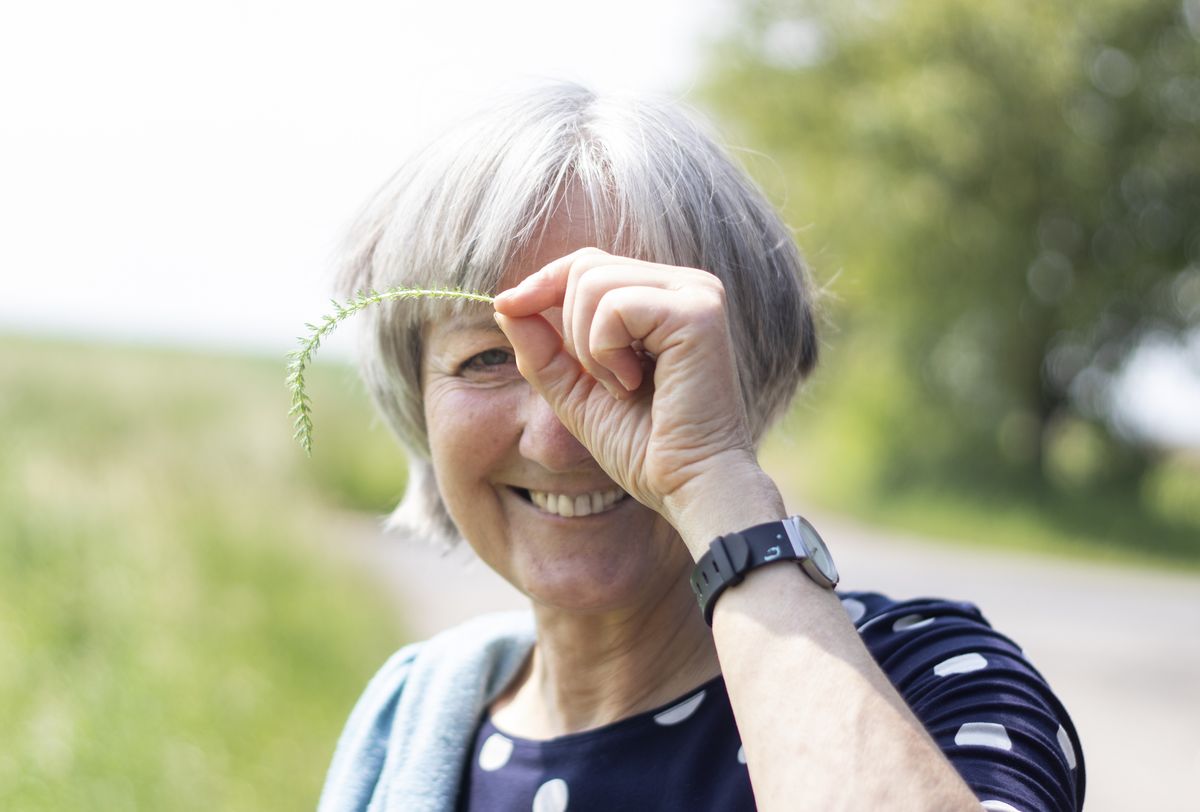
{"x": 730, "y": 557}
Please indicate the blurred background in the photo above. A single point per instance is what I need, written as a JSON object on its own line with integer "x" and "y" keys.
{"x": 1000, "y": 202}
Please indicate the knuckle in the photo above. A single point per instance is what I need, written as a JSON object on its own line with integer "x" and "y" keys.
{"x": 711, "y": 300}
{"x": 705, "y": 284}
{"x": 716, "y": 287}
{"x": 584, "y": 258}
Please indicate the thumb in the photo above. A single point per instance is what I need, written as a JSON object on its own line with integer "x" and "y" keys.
{"x": 541, "y": 358}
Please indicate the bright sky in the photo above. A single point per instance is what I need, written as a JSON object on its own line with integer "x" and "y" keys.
{"x": 181, "y": 173}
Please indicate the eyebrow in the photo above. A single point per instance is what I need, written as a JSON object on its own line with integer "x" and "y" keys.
{"x": 480, "y": 322}
{"x": 463, "y": 323}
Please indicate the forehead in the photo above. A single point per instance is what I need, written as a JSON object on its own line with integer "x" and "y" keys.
{"x": 450, "y": 325}
{"x": 571, "y": 226}
{"x": 444, "y": 332}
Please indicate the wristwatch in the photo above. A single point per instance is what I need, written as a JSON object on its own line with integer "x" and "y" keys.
{"x": 730, "y": 557}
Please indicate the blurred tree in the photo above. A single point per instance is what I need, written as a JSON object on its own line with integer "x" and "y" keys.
{"x": 1013, "y": 189}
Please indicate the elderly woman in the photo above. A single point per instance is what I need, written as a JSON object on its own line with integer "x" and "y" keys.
{"x": 593, "y": 439}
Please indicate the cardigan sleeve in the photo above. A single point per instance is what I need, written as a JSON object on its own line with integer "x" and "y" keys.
{"x": 989, "y": 710}
{"x": 405, "y": 742}
{"x": 362, "y": 748}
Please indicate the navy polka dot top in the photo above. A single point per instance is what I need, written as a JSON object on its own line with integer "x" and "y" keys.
{"x": 989, "y": 710}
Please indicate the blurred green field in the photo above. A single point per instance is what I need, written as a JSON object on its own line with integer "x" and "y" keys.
{"x": 176, "y": 631}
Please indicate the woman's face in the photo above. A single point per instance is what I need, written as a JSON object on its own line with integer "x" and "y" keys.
{"x": 517, "y": 483}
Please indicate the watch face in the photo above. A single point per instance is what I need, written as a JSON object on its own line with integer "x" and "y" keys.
{"x": 818, "y": 553}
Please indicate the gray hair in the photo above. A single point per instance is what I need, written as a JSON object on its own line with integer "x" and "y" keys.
{"x": 658, "y": 188}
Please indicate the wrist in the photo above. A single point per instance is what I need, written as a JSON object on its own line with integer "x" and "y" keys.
{"x": 732, "y": 557}
{"x": 733, "y": 493}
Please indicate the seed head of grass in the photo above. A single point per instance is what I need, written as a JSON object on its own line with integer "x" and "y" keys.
{"x": 298, "y": 359}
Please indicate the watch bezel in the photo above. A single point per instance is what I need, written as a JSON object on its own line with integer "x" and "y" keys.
{"x": 811, "y": 550}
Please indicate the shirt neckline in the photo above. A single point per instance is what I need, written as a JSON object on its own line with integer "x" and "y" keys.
{"x": 630, "y": 725}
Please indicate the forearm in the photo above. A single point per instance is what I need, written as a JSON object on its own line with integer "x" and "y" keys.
{"x": 822, "y": 726}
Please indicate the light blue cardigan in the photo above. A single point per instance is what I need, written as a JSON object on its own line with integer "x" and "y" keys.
{"x": 407, "y": 739}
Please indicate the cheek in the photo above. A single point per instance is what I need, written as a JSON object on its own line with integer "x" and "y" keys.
{"x": 470, "y": 433}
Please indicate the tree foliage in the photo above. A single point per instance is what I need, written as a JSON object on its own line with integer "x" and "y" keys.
{"x": 1009, "y": 191}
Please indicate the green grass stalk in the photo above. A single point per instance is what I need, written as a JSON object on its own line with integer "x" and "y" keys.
{"x": 299, "y": 359}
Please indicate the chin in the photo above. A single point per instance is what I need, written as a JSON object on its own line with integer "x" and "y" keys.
{"x": 571, "y": 585}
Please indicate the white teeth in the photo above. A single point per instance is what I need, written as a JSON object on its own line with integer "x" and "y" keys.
{"x": 584, "y": 504}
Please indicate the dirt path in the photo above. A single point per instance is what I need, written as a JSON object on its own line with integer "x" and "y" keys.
{"x": 1122, "y": 648}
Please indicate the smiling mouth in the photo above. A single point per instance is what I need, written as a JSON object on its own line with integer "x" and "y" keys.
{"x": 574, "y": 506}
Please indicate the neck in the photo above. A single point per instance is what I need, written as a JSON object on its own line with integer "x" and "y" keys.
{"x": 591, "y": 670}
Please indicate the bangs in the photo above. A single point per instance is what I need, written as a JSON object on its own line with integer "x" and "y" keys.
{"x": 469, "y": 205}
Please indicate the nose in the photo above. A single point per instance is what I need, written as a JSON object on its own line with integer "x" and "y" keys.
{"x": 546, "y": 441}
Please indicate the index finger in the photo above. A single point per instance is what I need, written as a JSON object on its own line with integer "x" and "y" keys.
{"x": 542, "y": 289}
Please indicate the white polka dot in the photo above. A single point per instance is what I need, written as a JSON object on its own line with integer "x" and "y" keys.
{"x": 911, "y": 622}
{"x": 551, "y": 796}
{"x": 983, "y": 734}
{"x": 962, "y": 664}
{"x": 999, "y": 806}
{"x": 742, "y": 755}
{"x": 495, "y": 753}
{"x": 1064, "y": 741}
{"x": 854, "y": 608}
{"x": 676, "y": 714}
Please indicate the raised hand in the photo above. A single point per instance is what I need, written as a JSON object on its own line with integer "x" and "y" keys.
{"x": 643, "y": 373}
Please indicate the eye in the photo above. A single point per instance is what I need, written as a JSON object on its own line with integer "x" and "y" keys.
{"x": 488, "y": 361}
